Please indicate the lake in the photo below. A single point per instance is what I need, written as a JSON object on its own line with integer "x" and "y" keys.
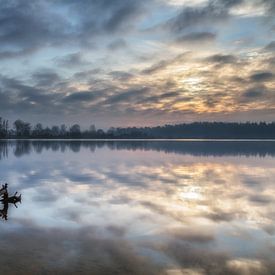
{"x": 139, "y": 207}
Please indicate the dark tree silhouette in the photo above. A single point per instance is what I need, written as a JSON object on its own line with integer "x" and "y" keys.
{"x": 75, "y": 131}
{"x": 196, "y": 130}
{"x": 23, "y": 129}
{"x": 4, "y": 126}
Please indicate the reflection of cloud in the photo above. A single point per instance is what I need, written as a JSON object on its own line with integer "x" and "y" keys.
{"x": 69, "y": 252}
{"x": 245, "y": 266}
{"x": 191, "y": 235}
{"x": 150, "y": 211}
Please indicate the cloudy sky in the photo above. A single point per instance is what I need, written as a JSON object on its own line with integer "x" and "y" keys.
{"x": 137, "y": 62}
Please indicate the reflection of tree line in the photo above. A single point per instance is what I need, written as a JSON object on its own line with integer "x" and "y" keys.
{"x": 3, "y": 150}
{"x": 197, "y": 148}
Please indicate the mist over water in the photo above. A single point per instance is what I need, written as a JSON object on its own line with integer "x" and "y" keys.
{"x": 160, "y": 207}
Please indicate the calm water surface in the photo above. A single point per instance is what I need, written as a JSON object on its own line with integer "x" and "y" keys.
{"x": 139, "y": 207}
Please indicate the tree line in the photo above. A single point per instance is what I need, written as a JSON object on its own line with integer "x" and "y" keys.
{"x": 197, "y": 130}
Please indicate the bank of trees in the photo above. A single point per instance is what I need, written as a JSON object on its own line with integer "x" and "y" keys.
{"x": 23, "y": 129}
{"x": 4, "y": 128}
{"x": 201, "y": 130}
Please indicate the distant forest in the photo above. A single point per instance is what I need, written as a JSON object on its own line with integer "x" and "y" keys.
{"x": 197, "y": 130}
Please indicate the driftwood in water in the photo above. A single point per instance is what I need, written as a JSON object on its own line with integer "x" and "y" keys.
{"x": 6, "y": 199}
{"x": 4, "y": 189}
{"x": 12, "y": 199}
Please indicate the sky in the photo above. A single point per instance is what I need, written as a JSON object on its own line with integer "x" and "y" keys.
{"x": 137, "y": 62}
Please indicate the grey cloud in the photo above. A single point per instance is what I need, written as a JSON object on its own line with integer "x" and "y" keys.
{"x": 80, "y": 96}
{"x": 45, "y": 78}
{"x": 130, "y": 95}
{"x": 197, "y": 37}
{"x": 120, "y": 200}
{"x": 71, "y": 60}
{"x": 261, "y": 76}
{"x": 261, "y": 199}
{"x": 213, "y": 11}
{"x": 228, "y": 3}
{"x": 117, "y": 44}
{"x": 156, "y": 67}
{"x": 213, "y": 99}
{"x": 49, "y": 95}
{"x": 31, "y": 94}
{"x": 27, "y": 26}
{"x": 87, "y": 74}
{"x": 163, "y": 64}
{"x": 24, "y": 93}
{"x": 157, "y": 98}
{"x": 270, "y": 47}
{"x": 221, "y": 59}
{"x": 255, "y": 92}
{"x": 237, "y": 79}
{"x": 270, "y": 6}
{"x": 120, "y": 75}
{"x": 127, "y": 11}
{"x": 220, "y": 216}
{"x": 117, "y": 231}
{"x": 5, "y": 100}
{"x": 8, "y": 54}
{"x": 109, "y": 16}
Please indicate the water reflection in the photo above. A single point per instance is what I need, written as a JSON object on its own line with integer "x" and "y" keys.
{"x": 139, "y": 208}
{"x": 196, "y": 148}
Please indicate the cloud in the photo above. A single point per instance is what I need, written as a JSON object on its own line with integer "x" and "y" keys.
{"x": 88, "y": 74}
{"x": 157, "y": 98}
{"x": 26, "y": 96}
{"x": 120, "y": 75}
{"x": 46, "y": 78}
{"x": 83, "y": 96}
{"x": 270, "y": 47}
{"x": 197, "y": 37}
{"x": 33, "y": 25}
{"x": 127, "y": 96}
{"x": 261, "y": 76}
{"x": 212, "y": 12}
{"x": 270, "y": 6}
{"x": 255, "y": 92}
{"x": 117, "y": 44}
{"x": 9, "y": 54}
{"x": 261, "y": 199}
{"x": 72, "y": 60}
{"x": 28, "y": 26}
{"x": 74, "y": 42}
{"x": 163, "y": 64}
{"x": 221, "y": 59}
{"x": 109, "y": 16}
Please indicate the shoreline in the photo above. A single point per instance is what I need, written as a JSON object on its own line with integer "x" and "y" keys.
{"x": 142, "y": 139}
